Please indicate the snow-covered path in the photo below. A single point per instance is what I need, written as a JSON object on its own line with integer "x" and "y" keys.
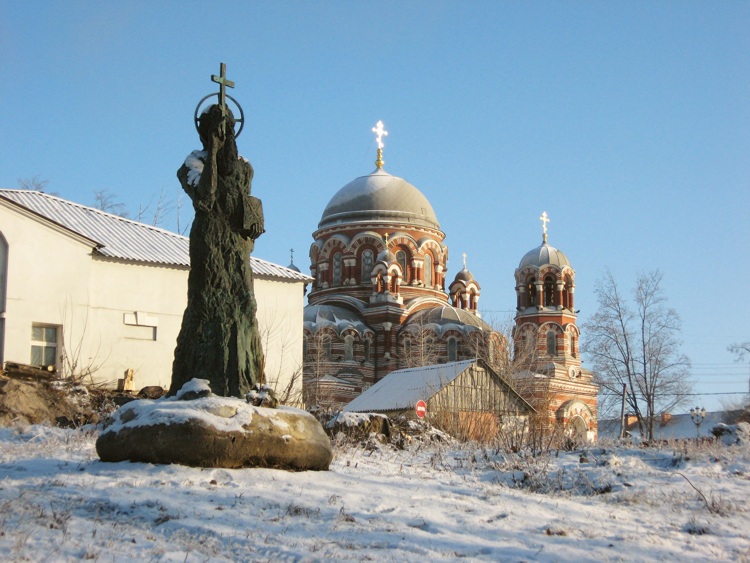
{"x": 59, "y": 503}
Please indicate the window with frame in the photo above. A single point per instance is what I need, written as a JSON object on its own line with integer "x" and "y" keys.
{"x": 401, "y": 259}
{"x": 551, "y": 343}
{"x": 337, "y": 269}
{"x": 348, "y": 347}
{"x": 368, "y": 260}
{"x": 452, "y": 348}
{"x": 44, "y": 345}
{"x": 428, "y": 270}
{"x": 368, "y": 349}
{"x": 407, "y": 347}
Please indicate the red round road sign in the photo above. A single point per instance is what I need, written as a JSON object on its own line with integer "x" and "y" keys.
{"x": 421, "y": 408}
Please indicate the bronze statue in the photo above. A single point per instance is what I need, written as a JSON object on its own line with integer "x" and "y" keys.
{"x": 219, "y": 339}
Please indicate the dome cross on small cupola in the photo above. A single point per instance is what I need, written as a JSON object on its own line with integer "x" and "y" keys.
{"x": 464, "y": 256}
{"x": 544, "y": 219}
{"x": 291, "y": 263}
{"x": 380, "y": 132}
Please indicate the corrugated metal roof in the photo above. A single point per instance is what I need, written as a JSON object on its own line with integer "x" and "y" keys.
{"x": 125, "y": 239}
{"x": 401, "y": 389}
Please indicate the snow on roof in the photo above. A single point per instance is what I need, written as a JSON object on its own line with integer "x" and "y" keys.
{"x": 674, "y": 427}
{"x": 125, "y": 239}
{"x": 401, "y": 389}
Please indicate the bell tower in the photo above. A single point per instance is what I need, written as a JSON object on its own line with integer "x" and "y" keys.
{"x": 546, "y": 340}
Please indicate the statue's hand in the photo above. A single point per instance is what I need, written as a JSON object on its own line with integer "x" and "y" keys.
{"x": 256, "y": 230}
{"x": 213, "y": 128}
{"x": 253, "y": 231}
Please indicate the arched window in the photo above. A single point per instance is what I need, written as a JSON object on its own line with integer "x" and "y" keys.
{"x": 304, "y": 347}
{"x": 407, "y": 347}
{"x": 401, "y": 259}
{"x": 549, "y": 291}
{"x": 551, "y": 343}
{"x": 327, "y": 348}
{"x": 368, "y": 344}
{"x": 452, "y": 348}
{"x": 336, "y": 269}
{"x": 348, "y": 347}
{"x": 573, "y": 345}
{"x": 531, "y": 291}
{"x": 367, "y": 262}
{"x": 428, "y": 270}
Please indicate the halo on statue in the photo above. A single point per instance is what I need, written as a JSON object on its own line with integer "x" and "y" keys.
{"x": 240, "y": 119}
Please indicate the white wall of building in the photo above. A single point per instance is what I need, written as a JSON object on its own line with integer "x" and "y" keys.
{"x": 116, "y": 315}
{"x": 48, "y": 281}
{"x": 280, "y": 319}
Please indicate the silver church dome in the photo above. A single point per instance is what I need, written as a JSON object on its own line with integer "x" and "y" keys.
{"x": 544, "y": 255}
{"x": 379, "y": 197}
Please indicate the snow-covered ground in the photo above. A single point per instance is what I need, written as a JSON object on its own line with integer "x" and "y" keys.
{"x": 58, "y": 502}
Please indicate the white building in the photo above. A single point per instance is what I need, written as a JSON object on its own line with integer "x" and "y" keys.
{"x": 91, "y": 292}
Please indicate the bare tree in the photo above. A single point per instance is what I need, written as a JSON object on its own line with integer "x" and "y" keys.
{"x": 35, "y": 184}
{"x": 317, "y": 360}
{"x": 419, "y": 346}
{"x": 105, "y": 200}
{"x": 740, "y": 349}
{"x": 179, "y": 204}
{"x": 155, "y": 210}
{"x": 637, "y": 345}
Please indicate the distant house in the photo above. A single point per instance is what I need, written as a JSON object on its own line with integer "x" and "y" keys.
{"x": 465, "y": 395}
{"x": 86, "y": 291}
{"x": 667, "y": 427}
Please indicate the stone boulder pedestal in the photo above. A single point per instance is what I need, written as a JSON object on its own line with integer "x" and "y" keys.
{"x": 200, "y": 429}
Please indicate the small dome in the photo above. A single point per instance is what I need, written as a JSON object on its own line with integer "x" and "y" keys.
{"x": 386, "y": 256}
{"x": 379, "y": 197}
{"x": 544, "y": 255}
{"x": 293, "y": 267}
{"x": 465, "y": 276}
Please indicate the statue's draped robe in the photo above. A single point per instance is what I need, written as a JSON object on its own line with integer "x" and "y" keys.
{"x": 219, "y": 339}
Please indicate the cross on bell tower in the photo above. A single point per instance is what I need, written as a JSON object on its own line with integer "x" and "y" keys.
{"x": 380, "y": 132}
{"x": 544, "y": 219}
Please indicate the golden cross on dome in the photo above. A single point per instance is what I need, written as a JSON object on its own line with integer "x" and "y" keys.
{"x": 544, "y": 219}
{"x": 385, "y": 238}
{"x": 223, "y": 83}
{"x": 380, "y": 132}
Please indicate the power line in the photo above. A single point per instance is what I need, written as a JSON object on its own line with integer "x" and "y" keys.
{"x": 684, "y": 394}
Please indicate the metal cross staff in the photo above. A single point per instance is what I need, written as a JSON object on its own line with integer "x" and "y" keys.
{"x": 223, "y": 83}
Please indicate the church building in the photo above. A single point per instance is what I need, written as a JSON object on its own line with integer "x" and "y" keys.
{"x": 382, "y": 300}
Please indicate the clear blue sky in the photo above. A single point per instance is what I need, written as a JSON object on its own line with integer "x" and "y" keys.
{"x": 628, "y": 122}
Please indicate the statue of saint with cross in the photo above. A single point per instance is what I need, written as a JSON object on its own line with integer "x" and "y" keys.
{"x": 219, "y": 340}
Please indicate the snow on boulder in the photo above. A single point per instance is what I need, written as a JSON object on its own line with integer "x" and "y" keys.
{"x": 200, "y": 429}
